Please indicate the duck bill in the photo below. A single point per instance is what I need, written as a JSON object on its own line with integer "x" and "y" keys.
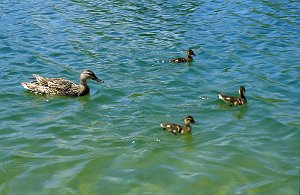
{"x": 98, "y": 80}
{"x": 195, "y": 123}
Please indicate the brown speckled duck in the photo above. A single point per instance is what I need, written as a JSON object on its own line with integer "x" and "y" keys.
{"x": 175, "y": 128}
{"x": 60, "y": 86}
{"x": 233, "y": 101}
{"x": 189, "y": 58}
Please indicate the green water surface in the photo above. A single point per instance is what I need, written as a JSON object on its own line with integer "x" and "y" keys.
{"x": 110, "y": 141}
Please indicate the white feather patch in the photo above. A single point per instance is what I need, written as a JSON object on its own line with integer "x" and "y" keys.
{"x": 220, "y": 96}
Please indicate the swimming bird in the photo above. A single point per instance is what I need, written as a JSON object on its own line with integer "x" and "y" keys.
{"x": 60, "y": 86}
{"x": 233, "y": 101}
{"x": 175, "y": 128}
{"x": 189, "y": 58}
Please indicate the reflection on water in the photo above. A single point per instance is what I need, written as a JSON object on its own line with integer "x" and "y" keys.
{"x": 239, "y": 114}
{"x": 237, "y": 111}
{"x": 188, "y": 140}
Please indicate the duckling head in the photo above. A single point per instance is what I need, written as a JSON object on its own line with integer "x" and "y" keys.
{"x": 88, "y": 74}
{"x": 190, "y": 52}
{"x": 242, "y": 90}
{"x": 189, "y": 120}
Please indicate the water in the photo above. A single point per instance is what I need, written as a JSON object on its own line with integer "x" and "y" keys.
{"x": 110, "y": 142}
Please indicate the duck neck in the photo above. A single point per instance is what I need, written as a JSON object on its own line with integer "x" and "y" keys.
{"x": 187, "y": 127}
{"x": 243, "y": 96}
{"x": 189, "y": 58}
{"x": 83, "y": 83}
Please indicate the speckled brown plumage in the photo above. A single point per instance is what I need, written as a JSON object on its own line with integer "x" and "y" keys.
{"x": 175, "y": 128}
{"x": 234, "y": 101}
{"x": 60, "y": 86}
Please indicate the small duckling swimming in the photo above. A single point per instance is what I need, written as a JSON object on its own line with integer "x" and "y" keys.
{"x": 175, "y": 128}
{"x": 189, "y": 58}
{"x": 233, "y": 101}
{"x": 60, "y": 86}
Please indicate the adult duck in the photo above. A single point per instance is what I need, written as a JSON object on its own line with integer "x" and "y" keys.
{"x": 60, "y": 86}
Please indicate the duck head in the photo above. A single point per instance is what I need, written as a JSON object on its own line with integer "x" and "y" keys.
{"x": 242, "y": 90}
{"x": 189, "y": 120}
{"x": 190, "y": 52}
{"x": 88, "y": 74}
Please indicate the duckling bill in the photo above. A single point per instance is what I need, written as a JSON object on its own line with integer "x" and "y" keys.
{"x": 60, "y": 86}
{"x": 189, "y": 57}
{"x": 176, "y": 128}
{"x": 234, "y": 101}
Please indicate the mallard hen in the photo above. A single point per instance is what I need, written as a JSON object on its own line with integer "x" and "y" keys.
{"x": 60, "y": 86}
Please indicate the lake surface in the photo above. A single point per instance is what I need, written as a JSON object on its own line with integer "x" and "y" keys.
{"x": 110, "y": 141}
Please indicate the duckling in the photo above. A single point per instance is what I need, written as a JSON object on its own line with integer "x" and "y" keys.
{"x": 189, "y": 58}
{"x": 175, "y": 128}
{"x": 233, "y": 101}
{"x": 60, "y": 86}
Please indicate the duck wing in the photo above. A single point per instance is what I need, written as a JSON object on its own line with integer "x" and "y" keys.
{"x": 178, "y": 60}
{"x": 54, "y": 86}
{"x": 172, "y": 127}
{"x": 232, "y": 100}
{"x": 37, "y": 85}
{"x": 61, "y": 86}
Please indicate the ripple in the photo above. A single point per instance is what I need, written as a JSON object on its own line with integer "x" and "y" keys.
{"x": 110, "y": 140}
